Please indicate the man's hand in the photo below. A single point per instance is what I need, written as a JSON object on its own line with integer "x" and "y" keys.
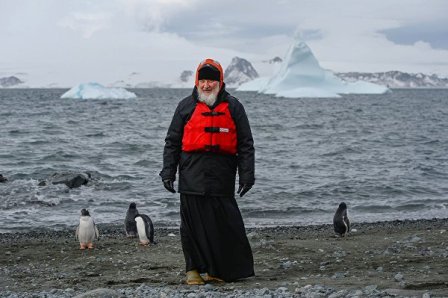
{"x": 244, "y": 188}
{"x": 169, "y": 185}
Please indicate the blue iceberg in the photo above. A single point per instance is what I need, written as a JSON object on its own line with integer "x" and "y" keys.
{"x": 301, "y": 75}
{"x": 94, "y": 90}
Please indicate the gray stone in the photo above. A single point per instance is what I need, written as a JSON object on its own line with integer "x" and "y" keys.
{"x": 282, "y": 289}
{"x": 338, "y": 294}
{"x": 398, "y": 277}
{"x": 370, "y": 289}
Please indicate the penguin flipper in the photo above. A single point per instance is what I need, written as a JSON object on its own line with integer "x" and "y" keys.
{"x": 77, "y": 233}
{"x": 97, "y": 233}
{"x": 151, "y": 232}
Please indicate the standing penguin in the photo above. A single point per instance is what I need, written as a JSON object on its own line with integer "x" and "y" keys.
{"x": 145, "y": 229}
{"x": 87, "y": 231}
{"x": 129, "y": 222}
{"x": 341, "y": 222}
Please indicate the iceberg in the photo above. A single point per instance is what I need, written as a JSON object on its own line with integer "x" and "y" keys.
{"x": 300, "y": 75}
{"x": 97, "y": 91}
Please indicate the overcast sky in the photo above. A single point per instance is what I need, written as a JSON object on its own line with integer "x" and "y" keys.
{"x": 107, "y": 40}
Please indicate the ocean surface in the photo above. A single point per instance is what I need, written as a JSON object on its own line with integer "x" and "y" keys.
{"x": 386, "y": 156}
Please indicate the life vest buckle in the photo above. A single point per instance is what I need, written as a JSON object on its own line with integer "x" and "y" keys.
{"x": 212, "y": 129}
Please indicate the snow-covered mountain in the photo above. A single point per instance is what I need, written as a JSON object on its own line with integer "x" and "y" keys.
{"x": 238, "y": 72}
{"x": 11, "y": 81}
{"x": 300, "y": 75}
{"x": 397, "y": 79}
{"x": 186, "y": 76}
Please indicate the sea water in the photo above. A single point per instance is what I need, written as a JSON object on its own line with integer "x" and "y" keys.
{"x": 386, "y": 156}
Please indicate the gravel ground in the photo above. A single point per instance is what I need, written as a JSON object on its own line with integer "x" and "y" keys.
{"x": 384, "y": 259}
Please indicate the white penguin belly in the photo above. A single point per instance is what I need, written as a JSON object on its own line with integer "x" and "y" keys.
{"x": 141, "y": 229}
{"x": 86, "y": 232}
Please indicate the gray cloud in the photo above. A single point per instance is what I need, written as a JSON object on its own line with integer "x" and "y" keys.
{"x": 434, "y": 33}
{"x": 109, "y": 38}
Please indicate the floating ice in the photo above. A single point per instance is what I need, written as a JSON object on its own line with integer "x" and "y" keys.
{"x": 97, "y": 91}
{"x": 300, "y": 75}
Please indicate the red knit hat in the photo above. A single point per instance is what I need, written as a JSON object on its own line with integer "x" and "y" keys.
{"x": 210, "y": 69}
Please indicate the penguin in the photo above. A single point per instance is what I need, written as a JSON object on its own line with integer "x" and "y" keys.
{"x": 129, "y": 223}
{"x": 341, "y": 223}
{"x": 87, "y": 231}
{"x": 145, "y": 229}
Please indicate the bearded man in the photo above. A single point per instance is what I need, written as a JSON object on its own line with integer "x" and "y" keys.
{"x": 209, "y": 140}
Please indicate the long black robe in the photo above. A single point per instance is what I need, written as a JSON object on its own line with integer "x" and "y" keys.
{"x": 213, "y": 237}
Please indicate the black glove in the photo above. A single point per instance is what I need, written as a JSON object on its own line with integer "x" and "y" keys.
{"x": 169, "y": 185}
{"x": 244, "y": 188}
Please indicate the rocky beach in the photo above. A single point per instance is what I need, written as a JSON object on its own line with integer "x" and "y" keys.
{"x": 384, "y": 259}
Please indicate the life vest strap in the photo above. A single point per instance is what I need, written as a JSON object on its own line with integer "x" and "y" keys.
{"x": 211, "y": 129}
{"x": 211, "y": 148}
{"x": 213, "y": 113}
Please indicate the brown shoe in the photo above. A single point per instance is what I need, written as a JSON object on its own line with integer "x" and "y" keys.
{"x": 193, "y": 278}
{"x": 210, "y": 278}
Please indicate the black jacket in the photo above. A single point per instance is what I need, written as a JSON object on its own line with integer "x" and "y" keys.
{"x": 209, "y": 173}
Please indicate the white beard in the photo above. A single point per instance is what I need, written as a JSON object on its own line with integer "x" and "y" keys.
{"x": 208, "y": 99}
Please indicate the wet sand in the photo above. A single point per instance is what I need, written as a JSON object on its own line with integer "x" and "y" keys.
{"x": 402, "y": 258}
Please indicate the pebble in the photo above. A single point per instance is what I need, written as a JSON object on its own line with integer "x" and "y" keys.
{"x": 398, "y": 277}
{"x": 99, "y": 293}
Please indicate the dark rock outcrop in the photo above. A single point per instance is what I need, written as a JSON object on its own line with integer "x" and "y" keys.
{"x": 3, "y": 178}
{"x": 72, "y": 180}
{"x": 276, "y": 59}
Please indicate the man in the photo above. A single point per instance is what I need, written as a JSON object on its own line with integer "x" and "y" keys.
{"x": 209, "y": 139}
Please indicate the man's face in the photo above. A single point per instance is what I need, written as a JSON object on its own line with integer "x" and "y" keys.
{"x": 208, "y": 91}
{"x": 207, "y": 86}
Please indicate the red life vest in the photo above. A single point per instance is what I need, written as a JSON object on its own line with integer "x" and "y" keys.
{"x": 210, "y": 130}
